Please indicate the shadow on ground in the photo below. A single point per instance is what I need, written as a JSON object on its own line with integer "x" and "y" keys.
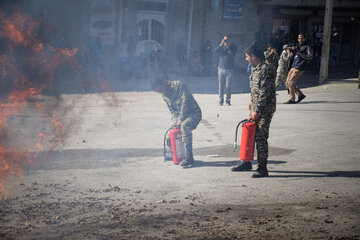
{"x": 107, "y": 158}
{"x": 199, "y": 163}
{"x": 314, "y": 174}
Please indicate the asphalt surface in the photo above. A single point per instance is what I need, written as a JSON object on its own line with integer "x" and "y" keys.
{"x": 116, "y": 139}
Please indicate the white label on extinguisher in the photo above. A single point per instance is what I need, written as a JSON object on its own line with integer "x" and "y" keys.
{"x": 180, "y": 148}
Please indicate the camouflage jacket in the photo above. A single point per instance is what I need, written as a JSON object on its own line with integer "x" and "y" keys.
{"x": 284, "y": 61}
{"x": 262, "y": 84}
{"x": 180, "y": 101}
{"x": 271, "y": 59}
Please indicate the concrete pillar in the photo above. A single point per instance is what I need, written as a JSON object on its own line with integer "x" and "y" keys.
{"x": 324, "y": 67}
{"x": 190, "y": 28}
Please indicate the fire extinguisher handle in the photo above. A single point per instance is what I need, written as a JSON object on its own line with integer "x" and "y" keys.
{"x": 236, "y": 131}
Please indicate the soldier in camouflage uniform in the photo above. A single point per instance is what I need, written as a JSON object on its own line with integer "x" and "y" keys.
{"x": 283, "y": 66}
{"x": 271, "y": 57}
{"x": 184, "y": 110}
{"x": 262, "y": 108}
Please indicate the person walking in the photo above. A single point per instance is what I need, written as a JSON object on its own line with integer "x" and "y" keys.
{"x": 184, "y": 109}
{"x": 226, "y": 52}
{"x": 283, "y": 66}
{"x": 303, "y": 54}
{"x": 262, "y": 108}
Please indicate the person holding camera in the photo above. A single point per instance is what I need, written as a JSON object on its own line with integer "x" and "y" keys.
{"x": 283, "y": 65}
{"x": 271, "y": 57}
{"x": 226, "y": 52}
{"x": 303, "y": 54}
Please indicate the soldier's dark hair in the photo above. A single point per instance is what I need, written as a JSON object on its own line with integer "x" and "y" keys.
{"x": 256, "y": 50}
{"x": 156, "y": 82}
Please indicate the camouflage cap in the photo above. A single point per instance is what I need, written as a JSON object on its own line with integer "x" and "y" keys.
{"x": 285, "y": 46}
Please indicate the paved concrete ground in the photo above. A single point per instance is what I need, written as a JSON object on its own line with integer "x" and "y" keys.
{"x": 106, "y": 179}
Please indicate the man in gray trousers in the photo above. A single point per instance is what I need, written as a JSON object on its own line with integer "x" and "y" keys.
{"x": 226, "y": 52}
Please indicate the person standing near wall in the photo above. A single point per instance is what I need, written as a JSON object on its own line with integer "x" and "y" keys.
{"x": 226, "y": 52}
{"x": 206, "y": 55}
{"x": 303, "y": 54}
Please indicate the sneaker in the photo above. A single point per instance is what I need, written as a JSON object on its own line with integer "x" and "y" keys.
{"x": 228, "y": 104}
{"x": 260, "y": 172}
{"x": 301, "y": 98}
{"x": 290, "y": 102}
{"x": 220, "y": 104}
{"x": 243, "y": 166}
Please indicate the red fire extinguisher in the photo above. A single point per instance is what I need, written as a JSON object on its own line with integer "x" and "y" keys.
{"x": 177, "y": 146}
{"x": 247, "y": 146}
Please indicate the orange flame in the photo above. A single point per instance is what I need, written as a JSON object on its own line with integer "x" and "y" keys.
{"x": 20, "y": 30}
{"x": 12, "y": 161}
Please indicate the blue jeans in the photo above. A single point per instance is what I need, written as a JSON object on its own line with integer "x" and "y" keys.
{"x": 225, "y": 77}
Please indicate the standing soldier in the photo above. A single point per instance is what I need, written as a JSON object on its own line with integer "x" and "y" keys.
{"x": 284, "y": 64}
{"x": 271, "y": 57}
{"x": 262, "y": 108}
{"x": 184, "y": 109}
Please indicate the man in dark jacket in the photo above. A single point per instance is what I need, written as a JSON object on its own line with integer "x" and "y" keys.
{"x": 184, "y": 110}
{"x": 226, "y": 52}
{"x": 303, "y": 54}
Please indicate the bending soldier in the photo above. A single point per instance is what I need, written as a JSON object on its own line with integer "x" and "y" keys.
{"x": 184, "y": 109}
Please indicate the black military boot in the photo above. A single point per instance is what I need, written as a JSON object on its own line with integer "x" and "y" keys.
{"x": 243, "y": 166}
{"x": 189, "y": 159}
{"x": 260, "y": 172}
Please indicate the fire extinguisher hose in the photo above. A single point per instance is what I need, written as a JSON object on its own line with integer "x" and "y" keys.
{"x": 236, "y": 132}
{"x": 165, "y": 142}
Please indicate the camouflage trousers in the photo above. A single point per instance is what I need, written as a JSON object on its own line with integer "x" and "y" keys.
{"x": 281, "y": 76}
{"x": 261, "y": 137}
{"x": 187, "y": 126}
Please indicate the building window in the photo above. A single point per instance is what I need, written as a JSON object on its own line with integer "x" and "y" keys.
{"x": 142, "y": 30}
{"x": 157, "y": 31}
